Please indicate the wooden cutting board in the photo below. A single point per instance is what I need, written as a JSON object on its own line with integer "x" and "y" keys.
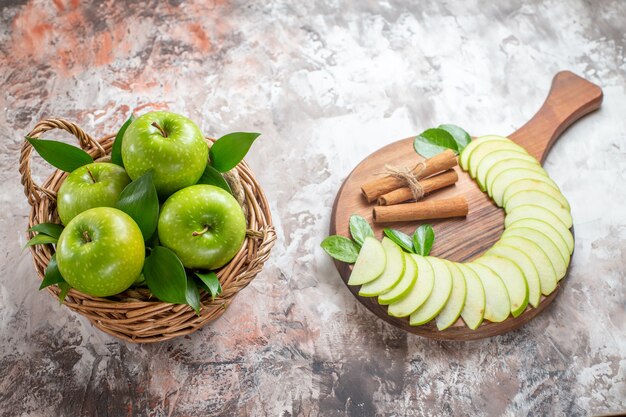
{"x": 570, "y": 98}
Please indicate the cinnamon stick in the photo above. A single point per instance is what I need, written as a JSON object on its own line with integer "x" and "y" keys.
{"x": 434, "y": 209}
{"x": 441, "y": 162}
{"x": 428, "y": 185}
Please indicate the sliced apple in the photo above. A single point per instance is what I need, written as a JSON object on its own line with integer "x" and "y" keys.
{"x": 502, "y": 166}
{"x": 546, "y": 245}
{"x": 487, "y": 148}
{"x": 533, "y": 211}
{"x": 370, "y": 263}
{"x": 525, "y": 265}
{"x": 405, "y": 284}
{"x": 474, "y": 309}
{"x": 538, "y": 198}
{"x": 513, "y": 279}
{"x": 467, "y": 151}
{"x": 418, "y": 294}
{"x": 530, "y": 184}
{"x": 488, "y": 161}
{"x": 505, "y": 178}
{"x": 439, "y": 296}
{"x": 452, "y": 310}
{"x": 547, "y": 230}
{"x": 394, "y": 269}
{"x": 497, "y": 304}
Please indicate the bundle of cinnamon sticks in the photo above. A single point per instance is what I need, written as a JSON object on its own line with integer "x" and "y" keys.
{"x": 403, "y": 185}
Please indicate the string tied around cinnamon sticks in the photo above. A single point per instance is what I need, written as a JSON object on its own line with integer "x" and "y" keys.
{"x": 410, "y": 177}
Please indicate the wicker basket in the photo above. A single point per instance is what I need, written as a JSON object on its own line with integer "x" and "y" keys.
{"x": 135, "y": 315}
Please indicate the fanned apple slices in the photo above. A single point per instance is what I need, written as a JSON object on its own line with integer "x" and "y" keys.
{"x": 530, "y": 258}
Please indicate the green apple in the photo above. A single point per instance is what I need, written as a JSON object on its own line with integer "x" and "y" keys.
{"x": 530, "y": 184}
{"x": 394, "y": 268}
{"x": 501, "y": 166}
{"x": 405, "y": 284}
{"x": 546, "y": 245}
{"x": 93, "y": 185}
{"x": 204, "y": 225}
{"x": 474, "y": 309}
{"x": 527, "y": 267}
{"x": 496, "y": 156}
{"x": 547, "y": 230}
{"x": 497, "y": 304}
{"x": 487, "y": 148}
{"x": 467, "y": 151}
{"x": 452, "y": 310}
{"x": 169, "y": 144}
{"x": 439, "y": 296}
{"x": 540, "y": 198}
{"x": 539, "y": 213}
{"x": 101, "y": 252}
{"x": 370, "y": 263}
{"x": 418, "y": 294}
{"x": 513, "y": 279}
{"x": 505, "y": 178}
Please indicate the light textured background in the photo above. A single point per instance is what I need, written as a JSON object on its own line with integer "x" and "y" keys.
{"x": 327, "y": 82}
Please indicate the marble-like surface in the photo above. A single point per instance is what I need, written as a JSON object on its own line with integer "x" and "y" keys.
{"x": 327, "y": 82}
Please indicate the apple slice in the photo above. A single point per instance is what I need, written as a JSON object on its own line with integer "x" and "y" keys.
{"x": 533, "y": 211}
{"x": 452, "y": 310}
{"x": 547, "y": 230}
{"x": 467, "y": 151}
{"x": 474, "y": 309}
{"x": 530, "y": 184}
{"x": 418, "y": 294}
{"x": 527, "y": 267}
{"x": 404, "y": 285}
{"x": 539, "y": 198}
{"x": 513, "y": 279}
{"x": 487, "y": 148}
{"x": 494, "y": 157}
{"x": 505, "y": 178}
{"x": 502, "y": 166}
{"x": 439, "y": 295}
{"x": 394, "y": 268}
{"x": 370, "y": 263}
{"x": 497, "y": 304}
{"x": 547, "y": 275}
{"x": 546, "y": 245}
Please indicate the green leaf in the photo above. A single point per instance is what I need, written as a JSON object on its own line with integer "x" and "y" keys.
{"x": 52, "y": 275}
{"x": 41, "y": 239}
{"x": 165, "y": 276}
{"x": 116, "y": 150}
{"x": 423, "y": 239}
{"x": 212, "y": 176}
{"x": 460, "y": 136}
{"x": 210, "y": 282}
{"x": 400, "y": 238}
{"x": 230, "y": 149}
{"x": 50, "y": 229}
{"x": 193, "y": 295}
{"x": 360, "y": 229}
{"x": 140, "y": 201}
{"x": 433, "y": 141}
{"x": 65, "y": 288}
{"x": 60, "y": 155}
{"x": 341, "y": 248}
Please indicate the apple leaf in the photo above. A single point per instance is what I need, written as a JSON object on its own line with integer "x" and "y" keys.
{"x": 116, "y": 150}
{"x": 423, "y": 239}
{"x": 53, "y": 275}
{"x": 165, "y": 276}
{"x": 65, "y": 288}
{"x": 360, "y": 229}
{"x": 341, "y": 248}
{"x": 49, "y": 229}
{"x": 230, "y": 149}
{"x": 434, "y": 141}
{"x": 399, "y": 238}
{"x": 212, "y": 176}
{"x": 210, "y": 282}
{"x": 41, "y": 239}
{"x": 193, "y": 295}
{"x": 460, "y": 136}
{"x": 60, "y": 155}
{"x": 140, "y": 201}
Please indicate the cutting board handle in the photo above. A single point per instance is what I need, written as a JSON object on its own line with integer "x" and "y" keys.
{"x": 570, "y": 98}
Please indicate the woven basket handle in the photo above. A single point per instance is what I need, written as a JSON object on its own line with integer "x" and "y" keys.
{"x": 35, "y": 192}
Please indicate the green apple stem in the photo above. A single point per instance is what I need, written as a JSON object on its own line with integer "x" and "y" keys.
{"x": 91, "y": 175}
{"x": 201, "y": 232}
{"x": 163, "y": 132}
{"x": 86, "y": 236}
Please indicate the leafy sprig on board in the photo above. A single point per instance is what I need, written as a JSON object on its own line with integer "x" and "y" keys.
{"x": 436, "y": 140}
